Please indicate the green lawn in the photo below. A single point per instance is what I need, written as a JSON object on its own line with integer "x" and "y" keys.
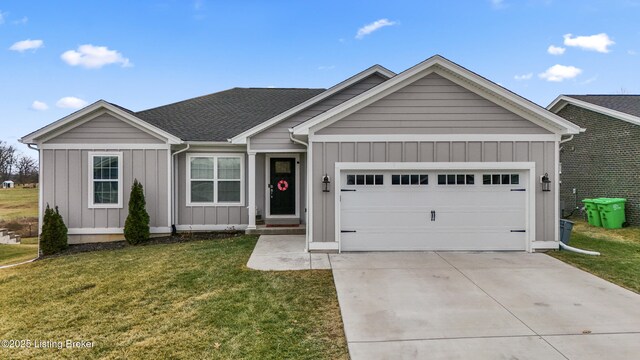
{"x": 189, "y": 300}
{"x": 18, "y": 203}
{"x": 13, "y": 254}
{"x": 620, "y": 253}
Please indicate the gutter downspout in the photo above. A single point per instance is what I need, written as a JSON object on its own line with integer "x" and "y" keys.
{"x": 32, "y": 147}
{"x": 173, "y": 188}
{"x": 308, "y": 190}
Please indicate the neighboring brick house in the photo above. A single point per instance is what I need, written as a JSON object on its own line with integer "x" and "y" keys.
{"x": 603, "y": 161}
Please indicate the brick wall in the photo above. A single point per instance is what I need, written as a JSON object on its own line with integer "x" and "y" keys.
{"x": 602, "y": 162}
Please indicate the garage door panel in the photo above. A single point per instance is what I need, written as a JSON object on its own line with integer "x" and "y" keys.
{"x": 466, "y": 217}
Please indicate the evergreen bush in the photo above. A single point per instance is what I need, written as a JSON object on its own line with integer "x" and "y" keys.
{"x": 136, "y": 227}
{"x": 54, "y": 232}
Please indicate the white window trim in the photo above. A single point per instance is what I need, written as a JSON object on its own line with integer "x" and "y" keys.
{"x": 215, "y": 180}
{"x": 91, "y": 155}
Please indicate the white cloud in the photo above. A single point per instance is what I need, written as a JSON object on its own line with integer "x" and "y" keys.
{"x": 2, "y": 15}
{"x": 369, "y": 28}
{"x": 94, "y": 57}
{"x": 498, "y": 4}
{"x": 555, "y": 50}
{"x": 599, "y": 42}
{"x": 71, "y": 102}
{"x": 523, "y": 76}
{"x": 39, "y": 105}
{"x": 24, "y": 45}
{"x": 558, "y": 73}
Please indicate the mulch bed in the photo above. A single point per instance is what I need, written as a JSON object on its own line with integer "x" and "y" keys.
{"x": 173, "y": 239}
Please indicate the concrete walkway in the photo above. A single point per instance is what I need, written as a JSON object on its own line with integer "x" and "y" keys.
{"x": 452, "y": 305}
{"x": 285, "y": 252}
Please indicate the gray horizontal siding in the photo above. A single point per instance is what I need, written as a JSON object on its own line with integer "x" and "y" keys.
{"x": 206, "y": 215}
{"x": 325, "y": 155}
{"x": 105, "y": 129}
{"x": 66, "y": 180}
{"x": 433, "y": 105}
{"x": 277, "y": 136}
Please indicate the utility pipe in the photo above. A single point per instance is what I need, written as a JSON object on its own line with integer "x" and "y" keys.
{"x": 173, "y": 187}
{"x": 579, "y": 251}
{"x": 32, "y": 147}
{"x": 306, "y": 204}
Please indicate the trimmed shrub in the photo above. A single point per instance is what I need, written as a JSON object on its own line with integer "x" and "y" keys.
{"x": 54, "y": 232}
{"x": 136, "y": 227}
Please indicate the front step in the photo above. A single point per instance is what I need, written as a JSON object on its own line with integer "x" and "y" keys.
{"x": 264, "y": 230}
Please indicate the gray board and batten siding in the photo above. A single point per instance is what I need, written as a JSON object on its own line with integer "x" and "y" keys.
{"x": 105, "y": 129}
{"x": 277, "y": 136}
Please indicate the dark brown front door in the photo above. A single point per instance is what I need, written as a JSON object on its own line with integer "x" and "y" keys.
{"x": 282, "y": 186}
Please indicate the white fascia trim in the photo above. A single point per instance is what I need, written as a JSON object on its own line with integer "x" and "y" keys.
{"x": 330, "y": 245}
{"x": 115, "y": 230}
{"x": 216, "y": 147}
{"x": 428, "y": 66}
{"x": 211, "y": 227}
{"x": 242, "y": 138}
{"x": 561, "y": 101}
{"x": 257, "y": 151}
{"x": 110, "y": 146}
{"x": 38, "y": 135}
{"x": 434, "y": 166}
{"x": 434, "y": 137}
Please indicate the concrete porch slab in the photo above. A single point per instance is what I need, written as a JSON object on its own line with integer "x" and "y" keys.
{"x": 285, "y": 253}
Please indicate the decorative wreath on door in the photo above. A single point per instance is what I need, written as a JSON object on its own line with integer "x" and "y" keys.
{"x": 283, "y": 185}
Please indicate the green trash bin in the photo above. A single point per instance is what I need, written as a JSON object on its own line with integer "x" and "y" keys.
{"x": 593, "y": 215}
{"x": 611, "y": 212}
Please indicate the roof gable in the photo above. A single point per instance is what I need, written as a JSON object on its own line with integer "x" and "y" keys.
{"x": 89, "y": 113}
{"x": 622, "y": 107}
{"x": 456, "y": 74}
{"x": 376, "y": 69}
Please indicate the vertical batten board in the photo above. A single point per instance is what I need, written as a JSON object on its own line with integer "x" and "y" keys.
{"x": 474, "y": 150}
{"x": 75, "y": 186}
{"x": 318, "y": 208}
{"x": 458, "y": 151}
{"x": 506, "y": 151}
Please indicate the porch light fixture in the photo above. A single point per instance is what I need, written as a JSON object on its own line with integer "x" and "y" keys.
{"x": 546, "y": 183}
{"x": 325, "y": 183}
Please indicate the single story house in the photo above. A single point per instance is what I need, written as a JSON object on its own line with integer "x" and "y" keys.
{"x": 605, "y": 160}
{"x": 8, "y": 184}
{"x": 433, "y": 158}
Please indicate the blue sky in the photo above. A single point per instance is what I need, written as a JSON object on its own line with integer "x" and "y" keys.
{"x": 58, "y": 55}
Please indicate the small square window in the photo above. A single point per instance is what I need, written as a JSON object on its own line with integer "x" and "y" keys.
{"x": 486, "y": 179}
{"x": 495, "y": 179}
{"x": 351, "y": 179}
{"x": 442, "y": 179}
{"x": 515, "y": 179}
{"x": 415, "y": 180}
{"x": 424, "y": 179}
{"x": 379, "y": 180}
{"x": 451, "y": 179}
{"x": 460, "y": 179}
{"x": 471, "y": 179}
{"x": 505, "y": 179}
{"x": 359, "y": 179}
{"x": 368, "y": 179}
{"x": 395, "y": 179}
{"x": 405, "y": 179}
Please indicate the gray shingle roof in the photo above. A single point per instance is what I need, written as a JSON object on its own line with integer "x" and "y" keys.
{"x": 222, "y": 115}
{"x": 629, "y": 104}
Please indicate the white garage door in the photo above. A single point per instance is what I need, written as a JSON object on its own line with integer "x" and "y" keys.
{"x": 433, "y": 210}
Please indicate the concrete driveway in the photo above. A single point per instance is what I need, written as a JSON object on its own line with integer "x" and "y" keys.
{"x": 451, "y": 305}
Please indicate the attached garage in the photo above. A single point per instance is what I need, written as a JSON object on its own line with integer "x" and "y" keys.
{"x": 435, "y": 158}
{"x": 413, "y": 206}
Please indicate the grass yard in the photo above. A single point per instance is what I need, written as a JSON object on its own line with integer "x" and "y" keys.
{"x": 18, "y": 203}
{"x": 13, "y": 254}
{"x": 619, "y": 261}
{"x": 188, "y": 300}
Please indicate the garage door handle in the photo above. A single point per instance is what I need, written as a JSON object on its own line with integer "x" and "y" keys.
{"x": 433, "y": 215}
{"x": 518, "y": 189}
{"x": 347, "y": 231}
{"x": 347, "y": 189}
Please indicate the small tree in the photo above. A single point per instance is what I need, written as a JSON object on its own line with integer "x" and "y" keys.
{"x": 54, "y": 232}
{"x": 136, "y": 227}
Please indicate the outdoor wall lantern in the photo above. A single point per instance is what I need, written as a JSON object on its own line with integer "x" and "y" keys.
{"x": 546, "y": 183}
{"x": 325, "y": 183}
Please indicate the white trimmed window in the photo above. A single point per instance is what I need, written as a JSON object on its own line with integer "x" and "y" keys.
{"x": 105, "y": 180}
{"x": 215, "y": 179}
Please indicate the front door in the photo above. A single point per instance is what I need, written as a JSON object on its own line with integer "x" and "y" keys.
{"x": 282, "y": 186}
